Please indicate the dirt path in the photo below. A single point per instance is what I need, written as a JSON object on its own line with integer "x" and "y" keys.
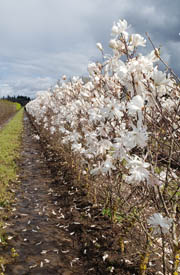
{"x": 54, "y": 229}
{"x": 38, "y": 233}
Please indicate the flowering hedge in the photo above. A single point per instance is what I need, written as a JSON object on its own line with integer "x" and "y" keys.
{"x": 123, "y": 128}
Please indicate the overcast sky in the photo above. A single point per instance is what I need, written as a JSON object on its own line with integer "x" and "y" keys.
{"x": 41, "y": 40}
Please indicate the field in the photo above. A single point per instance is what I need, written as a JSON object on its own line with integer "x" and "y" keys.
{"x": 7, "y": 109}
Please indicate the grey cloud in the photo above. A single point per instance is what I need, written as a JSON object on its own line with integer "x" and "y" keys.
{"x": 41, "y": 40}
{"x": 25, "y": 86}
{"x": 5, "y": 90}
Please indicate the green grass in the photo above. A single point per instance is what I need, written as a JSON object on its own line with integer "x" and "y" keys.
{"x": 18, "y": 106}
{"x": 10, "y": 141}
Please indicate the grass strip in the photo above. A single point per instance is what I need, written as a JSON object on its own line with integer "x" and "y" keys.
{"x": 10, "y": 141}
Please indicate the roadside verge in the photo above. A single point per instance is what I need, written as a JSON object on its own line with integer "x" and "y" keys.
{"x": 10, "y": 141}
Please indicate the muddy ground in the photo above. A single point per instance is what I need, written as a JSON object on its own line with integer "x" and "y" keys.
{"x": 52, "y": 228}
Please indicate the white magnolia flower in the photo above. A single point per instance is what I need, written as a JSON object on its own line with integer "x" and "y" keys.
{"x": 107, "y": 166}
{"x": 52, "y": 130}
{"x": 121, "y": 70}
{"x": 113, "y": 44}
{"x": 105, "y": 257}
{"x": 76, "y": 147}
{"x": 103, "y": 146}
{"x": 92, "y": 68}
{"x": 136, "y": 104}
{"x": 138, "y": 40}
{"x": 159, "y": 78}
{"x": 36, "y": 137}
{"x": 75, "y": 78}
{"x": 120, "y": 27}
{"x": 152, "y": 56}
{"x": 104, "y": 168}
{"x": 136, "y": 137}
{"x": 137, "y": 170}
{"x": 136, "y": 161}
{"x": 112, "y": 109}
{"x": 159, "y": 223}
{"x": 64, "y": 77}
{"x": 137, "y": 174}
{"x": 168, "y": 104}
{"x": 115, "y": 30}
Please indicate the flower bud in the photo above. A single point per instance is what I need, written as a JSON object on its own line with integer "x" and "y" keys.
{"x": 113, "y": 44}
{"x": 115, "y": 30}
{"x": 99, "y": 46}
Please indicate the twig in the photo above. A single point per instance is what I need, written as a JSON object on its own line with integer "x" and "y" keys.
{"x": 158, "y": 55}
{"x": 163, "y": 251}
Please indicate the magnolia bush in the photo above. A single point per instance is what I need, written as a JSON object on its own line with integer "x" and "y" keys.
{"x": 123, "y": 127}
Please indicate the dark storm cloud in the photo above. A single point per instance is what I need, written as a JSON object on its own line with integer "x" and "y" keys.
{"x": 44, "y": 39}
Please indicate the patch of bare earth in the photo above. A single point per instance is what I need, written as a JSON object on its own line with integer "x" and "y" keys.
{"x": 54, "y": 229}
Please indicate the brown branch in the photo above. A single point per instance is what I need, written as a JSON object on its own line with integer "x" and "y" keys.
{"x": 165, "y": 64}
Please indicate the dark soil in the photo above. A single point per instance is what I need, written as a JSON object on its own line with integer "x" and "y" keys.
{"x": 54, "y": 229}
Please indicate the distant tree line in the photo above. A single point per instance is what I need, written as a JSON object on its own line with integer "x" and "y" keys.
{"x": 23, "y": 100}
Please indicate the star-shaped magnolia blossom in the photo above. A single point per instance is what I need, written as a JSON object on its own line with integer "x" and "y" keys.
{"x": 138, "y": 40}
{"x": 160, "y": 78}
{"x": 137, "y": 170}
{"x": 137, "y": 137}
{"x": 159, "y": 223}
{"x": 120, "y": 27}
{"x": 135, "y": 105}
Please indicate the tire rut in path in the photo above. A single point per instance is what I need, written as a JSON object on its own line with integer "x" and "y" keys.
{"x": 36, "y": 225}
